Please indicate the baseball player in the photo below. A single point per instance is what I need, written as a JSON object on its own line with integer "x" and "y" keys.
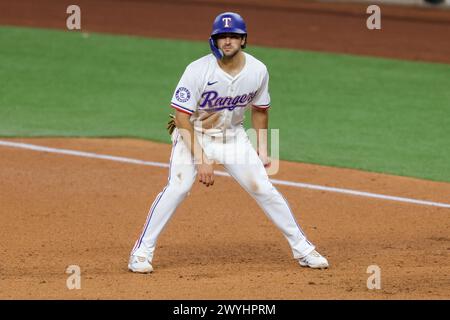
{"x": 210, "y": 101}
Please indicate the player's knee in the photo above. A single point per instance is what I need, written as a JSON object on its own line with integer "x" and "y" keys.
{"x": 262, "y": 190}
{"x": 184, "y": 189}
{"x": 181, "y": 188}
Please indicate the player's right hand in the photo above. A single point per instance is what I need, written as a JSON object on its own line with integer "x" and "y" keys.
{"x": 205, "y": 174}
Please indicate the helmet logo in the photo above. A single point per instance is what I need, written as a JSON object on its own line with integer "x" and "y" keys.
{"x": 226, "y": 20}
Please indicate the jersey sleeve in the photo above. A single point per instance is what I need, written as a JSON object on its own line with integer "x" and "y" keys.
{"x": 262, "y": 98}
{"x": 187, "y": 93}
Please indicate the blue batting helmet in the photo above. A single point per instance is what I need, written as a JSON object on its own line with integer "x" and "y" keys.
{"x": 227, "y": 22}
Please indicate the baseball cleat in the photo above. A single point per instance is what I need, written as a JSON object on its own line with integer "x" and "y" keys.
{"x": 314, "y": 260}
{"x": 139, "y": 265}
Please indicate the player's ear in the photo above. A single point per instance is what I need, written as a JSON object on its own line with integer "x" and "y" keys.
{"x": 244, "y": 41}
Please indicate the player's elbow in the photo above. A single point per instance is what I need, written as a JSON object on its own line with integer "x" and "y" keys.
{"x": 260, "y": 111}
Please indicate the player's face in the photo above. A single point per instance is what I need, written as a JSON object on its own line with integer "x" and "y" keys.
{"x": 230, "y": 43}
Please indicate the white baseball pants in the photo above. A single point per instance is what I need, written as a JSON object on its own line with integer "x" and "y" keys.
{"x": 242, "y": 162}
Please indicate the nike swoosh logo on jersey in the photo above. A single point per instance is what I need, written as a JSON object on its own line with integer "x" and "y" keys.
{"x": 211, "y": 83}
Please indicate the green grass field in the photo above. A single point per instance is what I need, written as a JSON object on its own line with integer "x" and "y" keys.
{"x": 368, "y": 113}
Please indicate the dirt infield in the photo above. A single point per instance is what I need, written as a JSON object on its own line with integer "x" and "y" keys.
{"x": 61, "y": 210}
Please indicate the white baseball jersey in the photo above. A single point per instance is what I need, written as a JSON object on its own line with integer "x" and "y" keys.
{"x": 205, "y": 89}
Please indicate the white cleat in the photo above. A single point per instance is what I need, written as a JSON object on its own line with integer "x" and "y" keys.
{"x": 314, "y": 260}
{"x": 139, "y": 264}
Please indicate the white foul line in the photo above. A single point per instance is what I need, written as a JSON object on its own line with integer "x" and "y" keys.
{"x": 219, "y": 173}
